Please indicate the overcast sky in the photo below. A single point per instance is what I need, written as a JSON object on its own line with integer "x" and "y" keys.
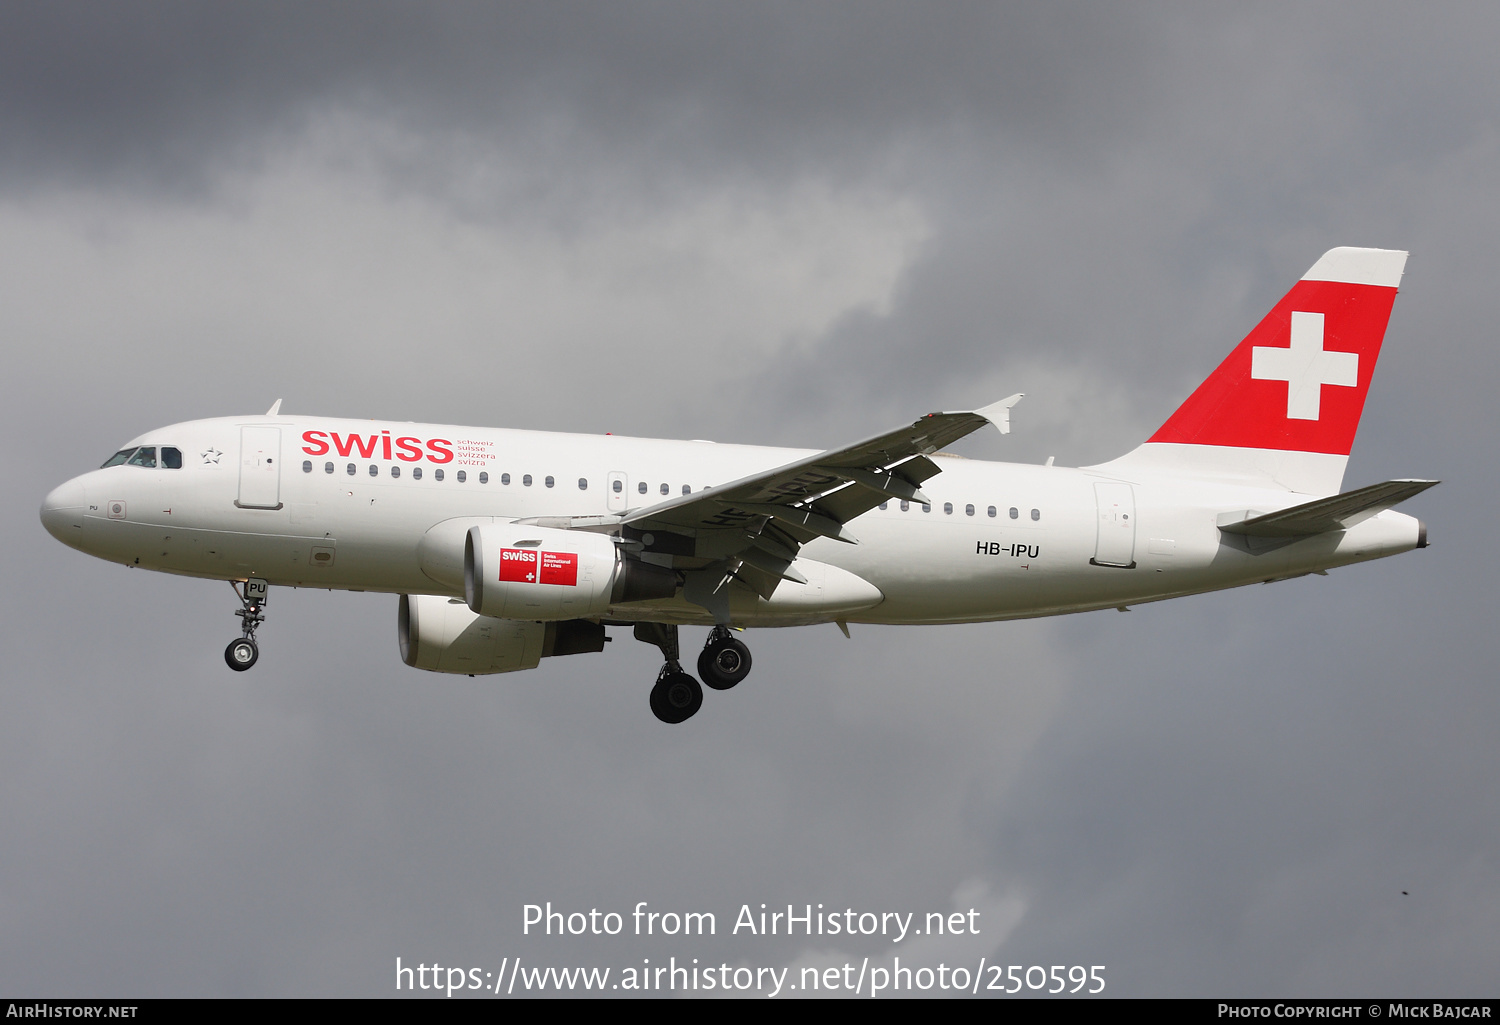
{"x": 790, "y": 223}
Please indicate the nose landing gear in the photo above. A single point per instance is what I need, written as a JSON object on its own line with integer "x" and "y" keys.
{"x": 242, "y": 652}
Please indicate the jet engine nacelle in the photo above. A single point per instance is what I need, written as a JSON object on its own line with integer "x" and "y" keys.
{"x": 514, "y": 571}
{"x": 442, "y": 635}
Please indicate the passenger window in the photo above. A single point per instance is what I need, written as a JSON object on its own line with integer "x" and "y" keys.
{"x": 395, "y": 471}
{"x": 665, "y": 490}
{"x": 687, "y": 489}
{"x": 505, "y": 478}
{"x": 993, "y": 510}
{"x": 307, "y": 466}
{"x": 948, "y": 508}
{"x": 416, "y": 473}
{"x": 583, "y": 483}
{"x": 374, "y": 470}
{"x": 484, "y": 476}
{"x": 463, "y": 475}
{"x": 327, "y": 467}
{"x": 351, "y": 469}
{"x": 144, "y": 457}
{"x": 968, "y": 510}
{"x": 905, "y": 505}
{"x": 927, "y": 507}
{"x": 118, "y": 458}
{"x": 641, "y": 487}
{"x": 1014, "y": 512}
{"x": 617, "y": 486}
{"x": 1036, "y": 514}
{"x": 884, "y": 506}
{"x": 171, "y": 458}
{"x": 526, "y": 479}
{"x": 549, "y": 481}
{"x": 437, "y": 474}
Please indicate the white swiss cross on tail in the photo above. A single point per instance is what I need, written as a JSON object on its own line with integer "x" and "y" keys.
{"x": 1305, "y": 367}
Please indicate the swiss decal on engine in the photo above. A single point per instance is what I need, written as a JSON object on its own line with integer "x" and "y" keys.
{"x": 519, "y": 564}
{"x": 528, "y": 566}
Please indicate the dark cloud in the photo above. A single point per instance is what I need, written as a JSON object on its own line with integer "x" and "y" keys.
{"x": 157, "y": 85}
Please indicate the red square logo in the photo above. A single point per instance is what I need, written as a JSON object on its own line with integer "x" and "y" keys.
{"x": 518, "y": 564}
{"x": 560, "y": 568}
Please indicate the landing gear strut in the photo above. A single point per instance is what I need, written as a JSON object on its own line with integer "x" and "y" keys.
{"x": 242, "y": 652}
{"x": 725, "y": 661}
{"x": 676, "y": 695}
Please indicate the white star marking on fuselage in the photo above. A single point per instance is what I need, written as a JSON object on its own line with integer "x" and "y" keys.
{"x": 1305, "y": 367}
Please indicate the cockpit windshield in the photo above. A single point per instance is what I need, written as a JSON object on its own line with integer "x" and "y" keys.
{"x": 171, "y": 458}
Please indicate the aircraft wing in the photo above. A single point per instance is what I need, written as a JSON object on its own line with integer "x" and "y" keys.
{"x": 1325, "y": 514}
{"x": 817, "y": 495}
{"x": 751, "y": 529}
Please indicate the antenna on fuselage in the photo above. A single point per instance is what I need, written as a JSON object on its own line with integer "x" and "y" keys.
{"x": 275, "y": 408}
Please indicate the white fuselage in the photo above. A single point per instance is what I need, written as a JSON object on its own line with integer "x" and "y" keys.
{"x": 1001, "y": 540}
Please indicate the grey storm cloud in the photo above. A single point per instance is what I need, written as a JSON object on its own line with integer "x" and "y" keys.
{"x": 157, "y": 83}
{"x": 778, "y": 223}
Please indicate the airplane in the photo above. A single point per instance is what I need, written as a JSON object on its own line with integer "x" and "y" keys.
{"x": 508, "y": 546}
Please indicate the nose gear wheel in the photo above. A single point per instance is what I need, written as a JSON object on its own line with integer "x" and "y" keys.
{"x": 241, "y": 654}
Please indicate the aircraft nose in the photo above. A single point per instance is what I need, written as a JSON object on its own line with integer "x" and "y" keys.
{"x": 62, "y": 512}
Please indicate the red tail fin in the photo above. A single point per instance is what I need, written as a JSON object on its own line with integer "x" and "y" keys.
{"x": 1284, "y": 407}
{"x": 1298, "y": 381}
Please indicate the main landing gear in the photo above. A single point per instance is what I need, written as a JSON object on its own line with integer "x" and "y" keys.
{"x": 242, "y": 652}
{"x": 677, "y": 696}
{"x": 724, "y": 661}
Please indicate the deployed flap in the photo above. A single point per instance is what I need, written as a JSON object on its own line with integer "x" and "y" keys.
{"x": 1336, "y": 513}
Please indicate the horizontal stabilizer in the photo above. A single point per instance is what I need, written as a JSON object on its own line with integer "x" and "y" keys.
{"x": 1338, "y": 512}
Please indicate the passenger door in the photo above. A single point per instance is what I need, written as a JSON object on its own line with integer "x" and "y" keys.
{"x": 260, "y": 468}
{"x": 1115, "y": 544}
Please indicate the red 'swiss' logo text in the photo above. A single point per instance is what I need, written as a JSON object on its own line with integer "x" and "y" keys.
{"x": 528, "y": 566}
{"x": 369, "y": 446}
